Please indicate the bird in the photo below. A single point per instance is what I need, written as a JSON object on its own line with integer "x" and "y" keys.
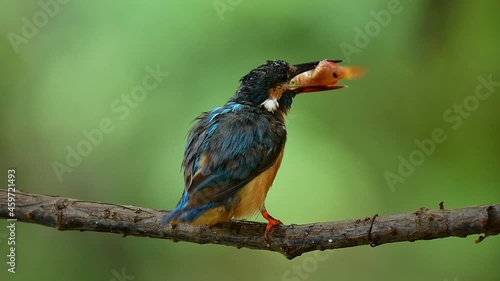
{"x": 233, "y": 152}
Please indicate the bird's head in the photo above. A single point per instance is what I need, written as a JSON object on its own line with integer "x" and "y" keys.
{"x": 269, "y": 85}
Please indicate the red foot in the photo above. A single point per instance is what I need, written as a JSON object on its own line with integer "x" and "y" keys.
{"x": 271, "y": 222}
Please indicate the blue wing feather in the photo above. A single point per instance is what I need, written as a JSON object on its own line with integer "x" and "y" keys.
{"x": 226, "y": 149}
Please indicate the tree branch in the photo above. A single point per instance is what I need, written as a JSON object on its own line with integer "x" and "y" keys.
{"x": 289, "y": 240}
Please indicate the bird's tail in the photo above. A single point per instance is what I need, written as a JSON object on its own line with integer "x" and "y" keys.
{"x": 171, "y": 216}
{"x": 177, "y": 210}
{"x": 183, "y": 213}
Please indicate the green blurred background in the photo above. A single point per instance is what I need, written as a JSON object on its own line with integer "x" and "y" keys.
{"x": 64, "y": 78}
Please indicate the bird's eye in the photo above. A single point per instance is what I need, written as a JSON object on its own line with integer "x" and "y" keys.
{"x": 335, "y": 75}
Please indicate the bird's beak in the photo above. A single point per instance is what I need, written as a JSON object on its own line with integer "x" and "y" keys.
{"x": 301, "y": 68}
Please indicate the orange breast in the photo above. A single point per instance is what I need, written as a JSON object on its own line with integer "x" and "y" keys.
{"x": 253, "y": 195}
{"x": 213, "y": 216}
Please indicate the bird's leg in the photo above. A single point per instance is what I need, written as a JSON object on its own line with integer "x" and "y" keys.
{"x": 271, "y": 222}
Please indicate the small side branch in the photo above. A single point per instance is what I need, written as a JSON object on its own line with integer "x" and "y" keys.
{"x": 289, "y": 240}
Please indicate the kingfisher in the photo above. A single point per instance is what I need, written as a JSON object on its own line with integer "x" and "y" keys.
{"x": 234, "y": 151}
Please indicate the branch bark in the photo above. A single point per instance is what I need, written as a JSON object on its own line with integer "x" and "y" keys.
{"x": 289, "y": 240}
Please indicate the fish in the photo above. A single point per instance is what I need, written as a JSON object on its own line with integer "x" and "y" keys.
{"x": 325, "y": 75}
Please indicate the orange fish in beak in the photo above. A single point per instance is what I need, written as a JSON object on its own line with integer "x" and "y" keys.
{"x": 324, "y": 76}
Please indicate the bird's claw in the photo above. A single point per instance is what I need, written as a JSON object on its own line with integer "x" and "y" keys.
{"x": 271, "y": 222}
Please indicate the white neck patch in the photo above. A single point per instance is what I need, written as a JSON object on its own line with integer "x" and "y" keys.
{"x": 270, "y": 104}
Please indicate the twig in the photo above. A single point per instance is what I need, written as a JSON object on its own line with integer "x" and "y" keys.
{"x": 289, "y": 240}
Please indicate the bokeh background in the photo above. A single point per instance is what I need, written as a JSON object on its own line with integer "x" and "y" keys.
{"x": 65, "y": 75}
